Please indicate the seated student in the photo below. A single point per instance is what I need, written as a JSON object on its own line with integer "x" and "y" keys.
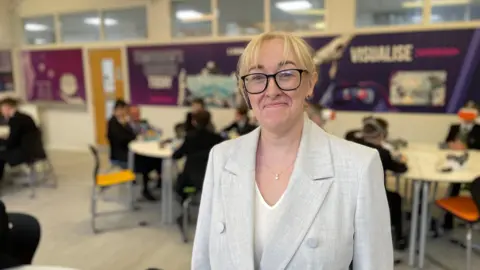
{"x": 463, "y": 136}
{"x": 120, "y": 134}
{"x": 197, "y": 105}
{"x": 19, "y": 238}
{"x": 145, "y": 164}
{"x": 242, "y": 124}
{"x": 24, "y": 143}
{"x": 198, "y": 143}
{"x": 372, "y": 136}
{"x": 176, "y": 141}
{"x": 356, "y": 134}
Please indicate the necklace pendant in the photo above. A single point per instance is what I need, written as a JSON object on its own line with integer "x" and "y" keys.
{"x": 276, "y": 176}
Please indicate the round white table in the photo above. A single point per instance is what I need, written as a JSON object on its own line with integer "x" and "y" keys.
{"x": 4, "y": 132}
{"x": 169, "y": 172}
{"x": 423, "y": 163}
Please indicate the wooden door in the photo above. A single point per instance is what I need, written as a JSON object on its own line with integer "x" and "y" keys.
{"x": 107, "y": 86}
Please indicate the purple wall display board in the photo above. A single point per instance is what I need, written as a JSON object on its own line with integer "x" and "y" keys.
{"x": 54, "y": 76}
{"x": 176, "y": 74}
{"x": 6, "y": 72}
{"x": 432, "y": 71}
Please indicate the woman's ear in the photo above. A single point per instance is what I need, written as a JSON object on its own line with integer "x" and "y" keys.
{"x": 313, "y": 81}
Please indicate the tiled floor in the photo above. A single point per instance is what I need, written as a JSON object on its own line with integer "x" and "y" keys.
{"x": 68, "y": 240}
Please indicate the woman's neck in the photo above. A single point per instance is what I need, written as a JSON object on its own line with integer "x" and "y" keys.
{"x": 282, "y": 144}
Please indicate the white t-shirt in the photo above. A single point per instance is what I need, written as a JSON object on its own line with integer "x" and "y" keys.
{"x": 266, "y": 218}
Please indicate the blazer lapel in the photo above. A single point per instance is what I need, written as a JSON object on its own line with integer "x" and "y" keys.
{"x": 237, "y": 186}
{"x": 310, "y": 182}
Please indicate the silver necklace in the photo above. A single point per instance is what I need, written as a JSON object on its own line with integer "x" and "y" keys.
{"x": 277, "y": 175}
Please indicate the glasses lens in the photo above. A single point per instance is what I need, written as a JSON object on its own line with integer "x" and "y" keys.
{"x": 255, "y": 83}
{"x": 288, "y": 79}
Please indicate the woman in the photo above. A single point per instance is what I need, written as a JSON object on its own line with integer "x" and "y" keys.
{"x": 288, "y": 195}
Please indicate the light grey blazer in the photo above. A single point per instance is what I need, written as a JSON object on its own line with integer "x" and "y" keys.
{"x": 336, "y": 209}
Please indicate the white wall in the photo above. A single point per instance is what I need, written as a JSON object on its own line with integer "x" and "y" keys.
{"x": 67, "y": 129}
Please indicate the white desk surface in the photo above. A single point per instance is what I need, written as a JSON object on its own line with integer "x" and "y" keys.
{"x": 150, "y": 149}
{"x": 4, "y": 131}
{"x": 424, "y": 159}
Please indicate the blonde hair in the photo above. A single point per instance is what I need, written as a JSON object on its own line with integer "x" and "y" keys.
{"x": 291, "y": 44}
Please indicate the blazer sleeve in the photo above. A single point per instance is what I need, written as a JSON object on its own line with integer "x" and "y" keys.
{"x": 452, "y": 133}
{"x": 183, "y": 150}
{"x": 230, "y": 127}
{"x": 201, "y": 250}
{"x": 15, "y": 135}
{"x": 475, "y": 138}
{"x": 391, "y": 164}
{"x": 373, "y": 248}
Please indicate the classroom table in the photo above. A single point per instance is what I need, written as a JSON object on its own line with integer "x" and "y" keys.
{"x": 4, "y": 132}
{"x": 423, "y": 163}
{"x": 153, "y": 149}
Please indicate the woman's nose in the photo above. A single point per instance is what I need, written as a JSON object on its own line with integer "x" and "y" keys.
{"x": 272, "y": 88}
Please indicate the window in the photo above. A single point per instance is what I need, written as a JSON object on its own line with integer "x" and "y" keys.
{"x": 123, "y": 24}
{"x": 388, "y": 12}
{"x": 234, "y": 22}
{"x": 455, "y": 10}
{"x": 39, "y": 30}
{"x": 80, "y": 27}
{"x": 192, "y": 18}
{"x": 297, "y": 15}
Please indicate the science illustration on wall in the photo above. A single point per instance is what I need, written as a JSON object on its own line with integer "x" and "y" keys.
{"x": 435, "y": 71}
{"x": 6, "y": 72}
{"x": 54, "y": 76}
{"x": 174, "y": 75}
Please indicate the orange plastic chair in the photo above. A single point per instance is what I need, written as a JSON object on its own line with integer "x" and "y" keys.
{"x": 466, "y": 209}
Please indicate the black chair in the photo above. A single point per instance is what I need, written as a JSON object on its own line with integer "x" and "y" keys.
{"x": 194, "y": 174}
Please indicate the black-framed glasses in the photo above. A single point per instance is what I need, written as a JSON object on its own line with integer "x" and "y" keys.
{"x": 286, "y": 80}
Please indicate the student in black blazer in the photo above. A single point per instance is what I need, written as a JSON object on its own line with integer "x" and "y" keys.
{"x": 120, "y": 133}
{"x": 356, "y": 134}
{"x": 242, "y": 124}
{"x": 24, "y": 143}
{"x": 373, "y": 135}
{"x": 462, "y": 137}
{"x": 19, "y": 238}
{"x": 195, "y": 148}
{"x": 470, "y": 131}
{"x": 197, "y": 105}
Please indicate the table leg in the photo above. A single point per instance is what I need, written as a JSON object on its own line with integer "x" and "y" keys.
{"x": 414, "y": 223}
{"x": 424, "y": 223}
{"x": 173, "y": 175}
{"x": 397, "y": 183}
{"x": 131, "y": 189}
{"x": 165, "y": 186}
{"x": 168, "y": 175}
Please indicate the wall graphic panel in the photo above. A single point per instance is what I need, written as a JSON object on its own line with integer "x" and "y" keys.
{"x": 54, "y": 76}
{"x": 434, "y": 71}
{"x": 6, "y": 72}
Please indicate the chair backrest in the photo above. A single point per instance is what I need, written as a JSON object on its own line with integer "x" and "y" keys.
{"x": 475, "y": 191}
{"x": 96, "y": 159}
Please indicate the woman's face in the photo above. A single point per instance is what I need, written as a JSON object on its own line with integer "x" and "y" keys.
{"x": 276, "y": 109}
